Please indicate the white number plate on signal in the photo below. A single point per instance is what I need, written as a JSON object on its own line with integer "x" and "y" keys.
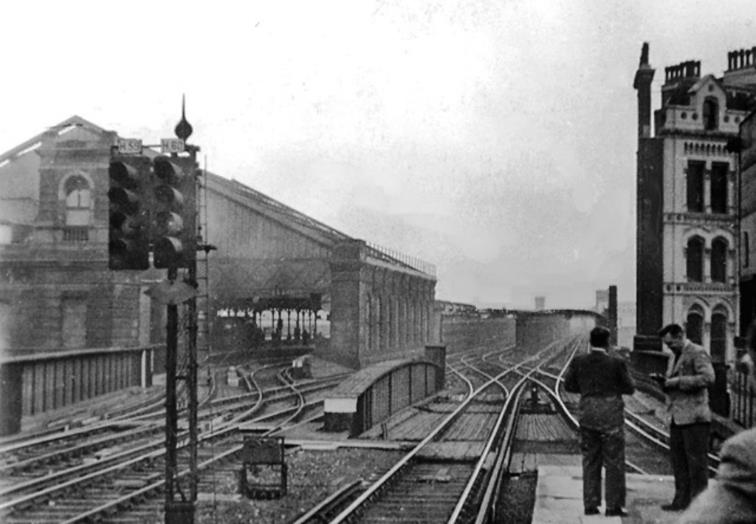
{"x": 171, "y": 145}
{"x": 130, "y": 145}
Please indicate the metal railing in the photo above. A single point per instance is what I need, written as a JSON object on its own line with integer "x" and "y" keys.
{"x": 75, "y": 234}
{"x": 742, "y": 399}
{"x": 413, "y": 262}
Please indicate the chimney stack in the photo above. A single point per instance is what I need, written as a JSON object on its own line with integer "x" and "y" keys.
{"x": 642, "y": 83}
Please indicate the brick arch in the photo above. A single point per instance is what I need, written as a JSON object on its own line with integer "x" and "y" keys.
{"x": 62, "y": 193}
{"x": 697, "y": 231}
{"x": 723, "y": 307}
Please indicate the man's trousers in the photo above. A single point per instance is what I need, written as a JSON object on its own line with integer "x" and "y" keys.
{"x": 603, "y": 448}
{"x": 688, "y": 450}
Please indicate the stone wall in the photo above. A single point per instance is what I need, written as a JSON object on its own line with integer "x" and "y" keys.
{"x": 461, "y": 334}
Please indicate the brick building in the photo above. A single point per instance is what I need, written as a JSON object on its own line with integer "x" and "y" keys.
{"x": 748, "y": 219}
{"x": 687, "y": 235}
{"x": 56, "y": 291}
{"x": 273, "y": 265}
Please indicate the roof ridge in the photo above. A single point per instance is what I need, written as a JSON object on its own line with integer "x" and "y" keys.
{"x": 74, "y": 120}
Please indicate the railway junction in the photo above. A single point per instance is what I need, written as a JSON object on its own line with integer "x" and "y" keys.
{"x": 494, "y": 441}
{"x": 283, "y": 372}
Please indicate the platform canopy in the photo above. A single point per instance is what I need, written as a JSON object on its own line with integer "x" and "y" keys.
{"x": 311, "y": 302}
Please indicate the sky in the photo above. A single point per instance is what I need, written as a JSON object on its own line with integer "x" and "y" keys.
{"x": 495, "y": 139}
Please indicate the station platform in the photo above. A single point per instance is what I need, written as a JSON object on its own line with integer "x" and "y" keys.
{"x": 559, "y": 498}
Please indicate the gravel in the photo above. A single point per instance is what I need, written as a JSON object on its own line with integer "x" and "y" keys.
{"x": 312, "y": 476}
{"x": 518, "y": 498}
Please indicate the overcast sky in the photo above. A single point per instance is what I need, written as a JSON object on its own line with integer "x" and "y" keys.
{"x": 495, "y": 139}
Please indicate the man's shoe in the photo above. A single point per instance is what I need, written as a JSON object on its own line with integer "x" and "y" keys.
{"x": 616, "y": 512}
{"x": 591, "y": 511}
{"x": 673, "y": 507}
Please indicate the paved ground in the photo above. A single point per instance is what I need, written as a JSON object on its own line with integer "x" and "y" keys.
{"x": 559, "y": 498}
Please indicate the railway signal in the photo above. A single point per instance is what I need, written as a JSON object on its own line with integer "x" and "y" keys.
{"x": 129, "y": 210}
{"x": 174, "y": 221}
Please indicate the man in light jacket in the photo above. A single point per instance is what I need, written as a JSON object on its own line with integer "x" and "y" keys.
{"x": 685, "y": 384}
{"x": 731, "y": 496}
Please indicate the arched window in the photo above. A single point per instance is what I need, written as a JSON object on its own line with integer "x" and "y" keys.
{"x": 718, "y": 334}
{"x": 694, "y": 256}
{"x": 719, "y": 260}
{"x": 710, "y": 114}
{"x": 695, "y": 186}
{"x": 694, "y": 325}
{"x": 78, "y": 215}
{"x": 719, "y": 172}
{"x": 78, "y": 201}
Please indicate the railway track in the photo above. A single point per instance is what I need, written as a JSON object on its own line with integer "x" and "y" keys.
{"x": 647, "y": 440}
{"x": 95, "y": 489}
{"x": 444, "y": 474}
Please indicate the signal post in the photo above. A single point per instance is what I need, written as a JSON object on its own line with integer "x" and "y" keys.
{"x": 153, "y": 210}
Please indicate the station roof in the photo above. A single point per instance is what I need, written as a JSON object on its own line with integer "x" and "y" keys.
{"x": 235, "y": 191}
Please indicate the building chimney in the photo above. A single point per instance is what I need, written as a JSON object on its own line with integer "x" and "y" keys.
{"x": 642, "y": 83}
{"x": 540, "y": 303}
{"x": 613, "y": 314}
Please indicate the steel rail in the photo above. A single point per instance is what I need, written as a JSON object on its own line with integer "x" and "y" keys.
{"x": 319, "y": 512}
{"x": 484, "y": 460}
{"x": 503, "y": 456}
{"x": 110, "y": 505}
{"x": 443, "y": 425}
{"x": 646, "y": 432}
{"x": 574, "y": 422}
{"x": 102, "y": 467}
{"x": 377, "y": 485}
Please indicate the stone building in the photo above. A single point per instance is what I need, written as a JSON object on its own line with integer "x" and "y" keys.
{"x": 687, "y": 201}
{"x": 71, "y": 329}
{"x": 274, "y": 268}
{"x": 748, "y": 218}
{"x": 56, "y": 292}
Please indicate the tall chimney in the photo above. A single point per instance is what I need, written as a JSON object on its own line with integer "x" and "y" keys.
{"x": 642, "y": 83}
{"x": 613, "y": 314}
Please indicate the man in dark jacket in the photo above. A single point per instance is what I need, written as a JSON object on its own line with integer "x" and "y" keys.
{"x": 601, "y": 379}
{"x": 689, "y": 375}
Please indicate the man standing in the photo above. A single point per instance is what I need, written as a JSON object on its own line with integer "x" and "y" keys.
{"x": 601, "y": 380}
{"x": 685, "y": 385}
{"x": 731, "y": 497}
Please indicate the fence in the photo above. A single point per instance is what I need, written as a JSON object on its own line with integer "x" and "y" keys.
{"x": 742, "y": 399}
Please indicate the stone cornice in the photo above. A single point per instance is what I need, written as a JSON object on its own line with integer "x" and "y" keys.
{"x": 700, "y": 288}
{"x": 701, "y": 219}
{"x": 694, "y": 133}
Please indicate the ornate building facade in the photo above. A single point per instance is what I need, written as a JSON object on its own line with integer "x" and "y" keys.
{"x": 688, "y": 201}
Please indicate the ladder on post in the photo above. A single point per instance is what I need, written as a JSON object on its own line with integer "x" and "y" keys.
{"x": 204, "y": 347}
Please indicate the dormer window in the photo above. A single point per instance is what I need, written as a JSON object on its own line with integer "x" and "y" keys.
{"x": 710, "y": 114}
